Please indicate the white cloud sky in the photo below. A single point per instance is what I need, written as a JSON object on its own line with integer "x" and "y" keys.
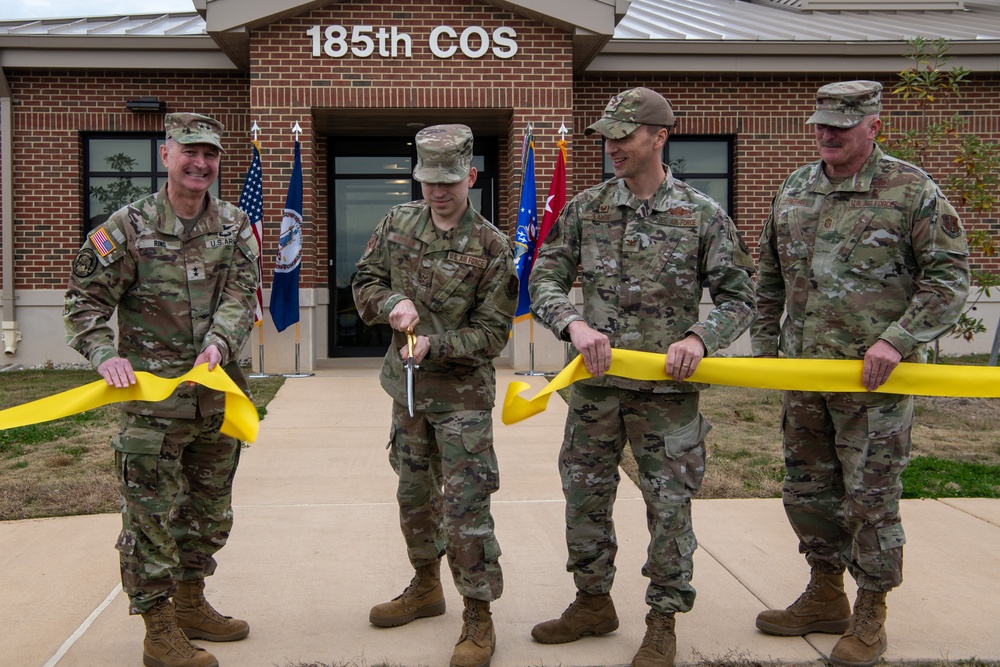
{"x": 39, "y": 9}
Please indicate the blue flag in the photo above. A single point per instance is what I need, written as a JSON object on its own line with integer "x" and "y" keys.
{"x": 526, "y": 235}
{"x": 284, "y": 307}
{"x": 252, "y": 203}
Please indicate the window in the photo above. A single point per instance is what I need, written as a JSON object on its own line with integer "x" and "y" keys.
{"x": 705, "y": 163}
{"x": 118, "y": 169}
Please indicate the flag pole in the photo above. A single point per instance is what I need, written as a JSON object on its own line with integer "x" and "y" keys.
{"x": 297, "y": 130}
{"x": 297, "y": 373}
{"x": 260, "y": 353}
{"x": 253, "y": 199}
{"x": 542, "y": 231}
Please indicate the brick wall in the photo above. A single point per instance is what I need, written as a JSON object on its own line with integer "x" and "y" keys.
{"x": 290, "y": 84}
{"x": 52, "y": 109}
{"x": 767, "y": 114}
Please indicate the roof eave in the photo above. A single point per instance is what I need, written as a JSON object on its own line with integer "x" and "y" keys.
{"x": 119, "y": 52}
{"x": 738, "y": 57}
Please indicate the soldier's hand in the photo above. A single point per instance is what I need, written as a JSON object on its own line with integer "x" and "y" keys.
{"x": 209, "y": 355}
{"x": 594, "y": 347}
{"x": 117, "y": 372}
{"x": 421, "y": 347}
{"x": 880, "y": 360}
{"x": 683, "y": 357}
{"x": 404, "y": 316}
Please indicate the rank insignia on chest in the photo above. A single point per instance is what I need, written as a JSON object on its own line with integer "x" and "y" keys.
{"x": 102, "y": 242}
{"x": 196, "y": 271}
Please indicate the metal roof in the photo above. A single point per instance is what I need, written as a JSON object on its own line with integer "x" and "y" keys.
{"x": 738, "y": 20}
{"x": 152, "y": 25}
{"x": 722, "y": 20}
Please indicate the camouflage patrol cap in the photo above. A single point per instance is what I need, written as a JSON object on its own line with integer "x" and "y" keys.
{"x": 844, "y": 104}
{"x": 627, "y": 111}
{"x": 193, "y": 128}
{"x": 444, "y": 154}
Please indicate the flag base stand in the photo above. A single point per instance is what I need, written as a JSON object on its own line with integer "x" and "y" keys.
{"x": 297, "y": 373}
{"x": 260, "y": 362}
{"x": 531, "y": 365}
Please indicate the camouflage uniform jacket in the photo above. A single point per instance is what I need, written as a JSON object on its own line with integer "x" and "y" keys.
{"x": 176, "y": 294}
{"x": 881, "y": 255}
{"x": 642, "y": 276}
{"x": 464, "y": 288}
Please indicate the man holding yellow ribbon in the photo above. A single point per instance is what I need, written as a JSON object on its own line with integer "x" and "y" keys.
{"x": 867, "y": 260}
{"x": 180, "y": 266}
{"x": 646, "y": 243}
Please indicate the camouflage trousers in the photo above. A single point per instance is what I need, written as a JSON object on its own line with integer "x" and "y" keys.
{"x": 447, "y": 471}
{"x": 667, "y": 436}
{"x": 844, "y": 455}
{"x": 176, "y": 479}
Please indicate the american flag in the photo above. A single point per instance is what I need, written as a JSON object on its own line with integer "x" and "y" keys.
{"x": 102, "y": 242}
{"x": 252, "y": 203}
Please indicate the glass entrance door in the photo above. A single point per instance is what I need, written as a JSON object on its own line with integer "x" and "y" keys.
{"x": 368, "y": 176}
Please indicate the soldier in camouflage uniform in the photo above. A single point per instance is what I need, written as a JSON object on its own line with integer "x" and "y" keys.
{"x": 440, "y": 270}
{"x": 645, "y": 243}
{"x": 180, "y": 266}
{"x": 869, "y": 261}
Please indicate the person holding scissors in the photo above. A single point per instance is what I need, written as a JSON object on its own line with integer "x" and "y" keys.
{"x": 443, "y": 278}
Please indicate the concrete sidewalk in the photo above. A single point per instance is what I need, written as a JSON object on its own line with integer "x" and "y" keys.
{"x": 317, "y": 543}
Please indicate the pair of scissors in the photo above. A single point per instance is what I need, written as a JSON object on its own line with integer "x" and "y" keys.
{"x": 410, "y": 366}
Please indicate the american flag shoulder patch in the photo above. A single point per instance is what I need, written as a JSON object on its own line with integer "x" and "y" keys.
{"x": 102, "y": 242}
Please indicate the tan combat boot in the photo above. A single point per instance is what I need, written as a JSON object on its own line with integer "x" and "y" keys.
{"x": 823, "y": 607}
{"x": 166, "y": 646}
{"x": 423, "y": 598}
{"x": 198, "y": 620}
{"x": 477, "y": 642}
{"x": 659, "y": 646}
{"x": 587, "y": 615}
{"x": 865, "y": 641}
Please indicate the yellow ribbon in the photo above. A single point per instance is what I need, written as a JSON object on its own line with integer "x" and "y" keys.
{"x": 240, "y": 421}
{"x": 827, "y": 375}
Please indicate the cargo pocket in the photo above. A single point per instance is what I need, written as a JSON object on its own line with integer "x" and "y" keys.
{"x": 684, "y": 460}
{"x": 885, "y": 424}
{"x": 477, "y": 435}
{"x": 682, "y": 440}
{"x": 686, "y": 544}
{"x": 393, "y": 450}
{"x": 891, "y": 537}
{"x": 126, "y": 542}
{"x": 491, "y": 550}
{"x": 138, "y": 440}
{"x": 479, "y": 470}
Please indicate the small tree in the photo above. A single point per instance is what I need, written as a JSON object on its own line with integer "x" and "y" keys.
{"x": 122, "y": 190}
{"x": 970, "y": 179}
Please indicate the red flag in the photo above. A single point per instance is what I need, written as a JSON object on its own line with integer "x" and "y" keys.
{"x": 555, "y": 201}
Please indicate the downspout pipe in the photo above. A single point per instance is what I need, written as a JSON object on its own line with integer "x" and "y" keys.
{"x": 11, "y": 334}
